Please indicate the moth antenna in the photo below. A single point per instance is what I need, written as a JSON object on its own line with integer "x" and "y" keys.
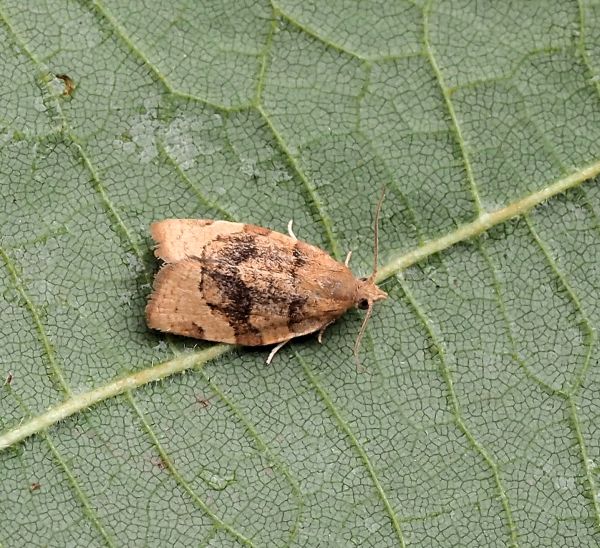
{"x": 376, "y": 231}
{"x": 360, "y": 336}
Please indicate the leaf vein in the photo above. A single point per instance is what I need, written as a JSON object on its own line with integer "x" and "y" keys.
{"x": 397, "y": 189}
{"x": 43, "y": 69}
{"x": 580, "y": 376}
{"x": 344, "y": 427}
{"x": 263, "y": 446}
{"x": 589, "y": 330}
{"x": 315, "y": 34}
{"x": 582, "y": 47}
{"x": 88, "y": 510}
{"x": 83, "y": 499}
{"x": 450, "y": 108}
{"x": 120, "y": 33}
{"x": 507, "y": 325}
{"x": 589, "y": 468}
{"x": 485, "y": 221}
{"x": 262, "y": 73}
{"x": 192, "y": 186}
{"x": 79, "y": 402}
{"x": 460, "y": 423}
{"x": 55, "y": 369}
{"x": 309, "y": 187}
{"x": 179, "y": 479}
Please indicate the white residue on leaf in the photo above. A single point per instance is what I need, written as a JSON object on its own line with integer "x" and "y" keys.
{"x": 41, "y": 287}
{"x": 38, "y": 104}
{"x": 322, "y": 183}
{"x": 565, "y": 483}
{"x": 372, "y": 525}
{"x": 281, "y": 23}
{"x": 217, "y": 481}
{"x": 143, "y": 135}
{"x": 134, "y": 264}
{"x": 178, "y": 143}
{"x": 279, "y": 176}
{"x": 126, "y": 146}
{"x": 249, "y": 167}
{"x": 56, "y": 86}
{"x": 151, "y": 102}
{"x": 207, "y": 148}
{"x": 161, "y": 346}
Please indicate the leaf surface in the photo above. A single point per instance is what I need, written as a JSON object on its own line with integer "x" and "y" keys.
{"x": 475, "y": 421}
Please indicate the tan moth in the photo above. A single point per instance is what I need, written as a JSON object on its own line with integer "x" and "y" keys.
{"x": 243, "y": 284}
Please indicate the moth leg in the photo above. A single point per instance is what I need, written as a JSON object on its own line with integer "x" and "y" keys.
{"x": 347, "y": 261}
{"x": 290, "y": 231}
{"x": 276, "y": 349}
{"x": 322, "y": 330}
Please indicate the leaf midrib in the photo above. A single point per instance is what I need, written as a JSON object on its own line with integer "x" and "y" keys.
{"x": 190, "y": 360}
{"x": 396, "y": 265}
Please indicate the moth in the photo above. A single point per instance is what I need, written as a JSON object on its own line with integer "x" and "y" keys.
{"x": 243, "y": 284}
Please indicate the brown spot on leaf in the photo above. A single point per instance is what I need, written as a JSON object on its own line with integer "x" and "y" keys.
{"x": 159, "y": 462}
{"x": 69, "y": 84}
{"x": 202, "y": 401}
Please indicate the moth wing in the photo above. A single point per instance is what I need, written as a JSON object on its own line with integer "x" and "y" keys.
{"x": 275, "y": 328}
{"x": 178, "y": 239}
{"x": 274, "y": 331}
{"x": 243, "y": 284}
{"x": 271, "y": 288}
{"x": 178, "y": 306}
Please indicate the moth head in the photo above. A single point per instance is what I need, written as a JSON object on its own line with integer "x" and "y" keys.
{"x": 367, "y": 292}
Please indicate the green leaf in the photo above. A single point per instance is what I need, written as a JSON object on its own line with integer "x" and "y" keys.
{"x": 475, "y": 420}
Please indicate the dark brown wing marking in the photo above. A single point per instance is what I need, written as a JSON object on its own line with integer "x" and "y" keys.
{"x": 234, "y": 298}
{"x": 236, "y": 304}
{"x": 200, "y": 333}
{"x": 296, "y": 311}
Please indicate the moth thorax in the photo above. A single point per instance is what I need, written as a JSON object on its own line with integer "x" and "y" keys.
{"x": 367, "y": 293}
